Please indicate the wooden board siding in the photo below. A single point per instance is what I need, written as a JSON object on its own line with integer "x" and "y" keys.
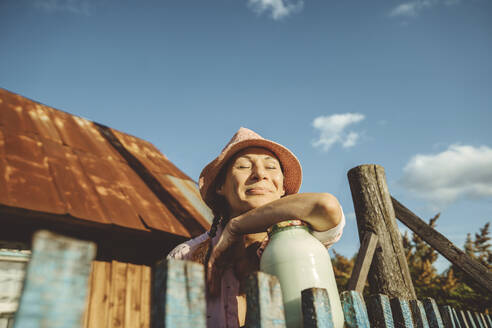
{"x": 119, "y": 295}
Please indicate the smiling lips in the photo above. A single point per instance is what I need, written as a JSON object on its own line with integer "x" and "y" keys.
{"x": 257, "y": 191}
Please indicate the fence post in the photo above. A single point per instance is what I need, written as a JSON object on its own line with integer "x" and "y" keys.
{"x": 264, "y": 302}
{"x": 447, "y": 316}
{"x": 316, "y": 308}
{"x": 389, "y": 273}
{"x": 178, "y": 295}
{"x": 55, "y": 286}
{"x": 432, "y": 312}
{"x": 418, "y": 314}
{"x": 379, "y": 311}
{"x": 402, "y": 315}
{"x": 354, "y": 309}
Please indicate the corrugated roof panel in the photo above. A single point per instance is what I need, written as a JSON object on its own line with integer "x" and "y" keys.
{"x": 147, "y": 205}
{"x": 27, "y": 176}
{"x": 41, "y": 119}
{"x": 190, "y": 191}
{"x": 13, "y": 116}
{"x": 3, "y": 167}
{"x": 182, "y": 199}
{"x": 81, "y": 134}
{"x": 116, "y": 204}
{"x": 148, "y": 155}
{"x": 74, "y": 187}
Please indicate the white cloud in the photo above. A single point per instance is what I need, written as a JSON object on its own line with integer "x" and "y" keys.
{"x": 461, "y": 171}
{"x": 413, "y": 8}
{"x": 73, "y": 6}
{"x": 277, "y": 8}
{"x": 332, "y": 130}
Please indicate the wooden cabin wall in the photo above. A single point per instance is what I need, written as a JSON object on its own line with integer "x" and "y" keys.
{"x": 119, "y": 295}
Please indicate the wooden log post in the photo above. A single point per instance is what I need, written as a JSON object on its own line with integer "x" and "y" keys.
{"x": 178, "y": 295}
{"x": 56, "y": 282}
{"x": 316, "y": 308}
{"x": 389, "y": 273}
{"x": 265, "y": 307}
{"x": 379, "y": 311}
{"x": 354, "y": 310}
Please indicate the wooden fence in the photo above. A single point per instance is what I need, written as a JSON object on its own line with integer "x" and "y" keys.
{"x": 57, "y": 283}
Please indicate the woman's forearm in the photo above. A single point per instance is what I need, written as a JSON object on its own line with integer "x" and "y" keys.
{"x": 320, "y": 210}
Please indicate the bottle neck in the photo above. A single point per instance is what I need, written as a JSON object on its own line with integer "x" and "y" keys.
{"x": 287, "y": 225}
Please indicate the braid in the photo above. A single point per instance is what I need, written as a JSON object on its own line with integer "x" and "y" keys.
{"x": 213, "y": 228}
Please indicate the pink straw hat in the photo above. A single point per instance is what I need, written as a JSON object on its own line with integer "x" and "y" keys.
{"x": 245, "y": 138}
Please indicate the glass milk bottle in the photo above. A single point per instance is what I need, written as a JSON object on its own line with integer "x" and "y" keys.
{"x": 300, "y": 261}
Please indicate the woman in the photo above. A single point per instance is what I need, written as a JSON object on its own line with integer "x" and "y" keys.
{"x": 250, "y": 186}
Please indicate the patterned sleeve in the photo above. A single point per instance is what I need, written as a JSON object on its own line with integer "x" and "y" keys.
{"x": 329, "y": 237}
{"x": 185, "y": 250}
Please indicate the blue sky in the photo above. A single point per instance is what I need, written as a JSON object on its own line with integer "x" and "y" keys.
{"x": 403, "y": 84}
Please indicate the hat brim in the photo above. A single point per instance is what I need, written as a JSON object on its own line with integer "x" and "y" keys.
{"x": 290, "y": 165}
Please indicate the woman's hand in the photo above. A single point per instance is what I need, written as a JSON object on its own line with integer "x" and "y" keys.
{"x": 221, "y": 255}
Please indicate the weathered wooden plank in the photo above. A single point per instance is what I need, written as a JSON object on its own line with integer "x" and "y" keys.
{"x": 178, "y": 295}
{"x": 389, "y": 273}
{"x": 354, "y": 310}
{"x": 469, "y": 319}
{"x": 474, "y": 269}
{"x": 100, "y": 291}
{"x": 456, "y": 319}
{"x": 478, "y": 320}
{"x": 363, "y": 262}
{"x": 418, "y": 314}
{"x": 402, "y": 315}
{"x": 447, "y": 316}
{"x": 316, "y": 309}
{"x": 145, "y": 301}
{"x": 484, "y": 319}
{"x": 265, "y": 307}
{"x": 432, "y": 312}
{"x": 379, "y": 311}
{"x": 462, "y": 319}
{"x": 85, "y": 321}
{"x": 133, "y": 297}
{"x": 55, "y": 287}
{"x": 117, "y": 295}
{"x": 489, "y": 319}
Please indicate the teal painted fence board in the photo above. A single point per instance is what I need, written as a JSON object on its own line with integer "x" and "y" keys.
{"x": 379, "y": 311}
{"x": 447, "y": 316}
{"x": 264, "y": 302}
{"x": 178, "y": 295}
{"x": 55, "y": 286}
{"x": 316, "y": 309}
{"x": 418, "y": 314}
{"x": 354, "y": 310}
{"x": 402, "y": 315}
{"x": 470, "y": 321}
{"x": 432, "y": 312}
{"x": 456, "y": 319}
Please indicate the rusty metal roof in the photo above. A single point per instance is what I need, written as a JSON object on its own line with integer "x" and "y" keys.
{"x": 58, "y": 163}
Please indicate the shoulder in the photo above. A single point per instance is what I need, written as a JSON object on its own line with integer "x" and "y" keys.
{"x": 185, "y": 250}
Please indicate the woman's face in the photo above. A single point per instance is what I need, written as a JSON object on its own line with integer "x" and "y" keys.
{"x": 253, "y": 178}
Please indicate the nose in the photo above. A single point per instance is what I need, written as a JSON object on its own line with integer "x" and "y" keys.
{"x": 258, "y": 172}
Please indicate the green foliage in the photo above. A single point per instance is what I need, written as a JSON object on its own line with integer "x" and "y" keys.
{"x": 452, "y": 287}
